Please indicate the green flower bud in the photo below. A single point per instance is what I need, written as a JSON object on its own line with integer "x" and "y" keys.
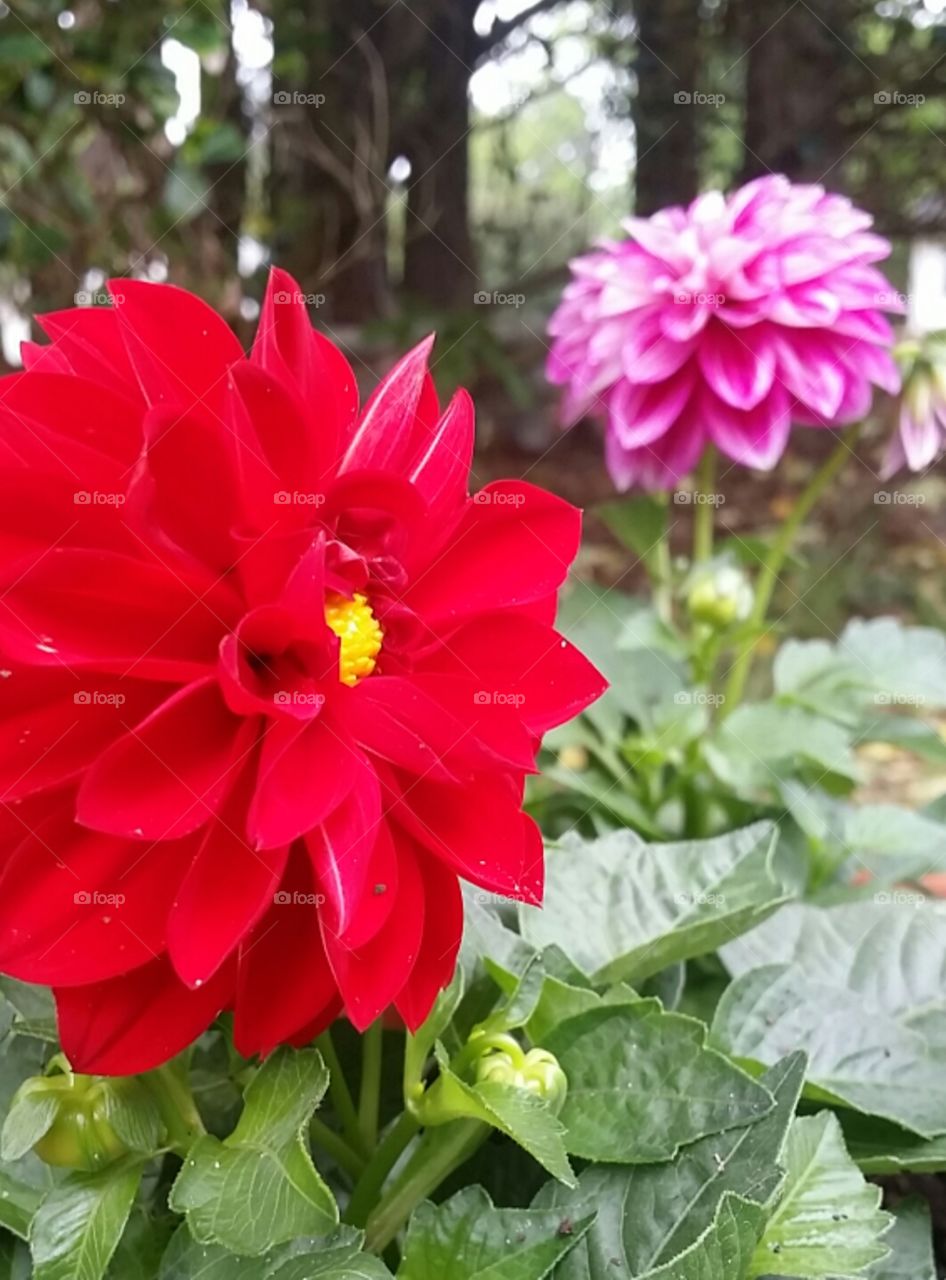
{"x": 537, "y": 1072}
{"x": 720, "y": 597}
{"x": 73, "y": 1113}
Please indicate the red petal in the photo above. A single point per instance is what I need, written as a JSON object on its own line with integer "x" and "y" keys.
{"x": 80, "y": 907}
{"x": 179, "y": 346}
{"x": 479, "y": 831}
{"x": 514, "y": 545}
{"x": 394, "y": 430}
{"x": 96, "y": 416}
{"x": 290, "y": 350}
{"x": 441, "y": 471}
{"x": 91, "y": 341}
{"x": 53, "y": 738}
{"x": 443, "y": 931}
{"x": 170, "y": 774}
{"x": 284, "y": 979}
{"x": 341, "y": 849}
{"x": 520, "y": 662}
{"x": 371, "y": 978}
{"x": 228, "y": 887}
{"x": 136, "y": 1022}
{"x": 78, "y": 607}
{"x": 305, "y": 771}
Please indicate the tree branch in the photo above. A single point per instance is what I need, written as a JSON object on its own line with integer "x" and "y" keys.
{"x": 500, "y": 30}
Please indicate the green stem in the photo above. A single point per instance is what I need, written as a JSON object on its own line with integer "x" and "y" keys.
{"x": 340, "y": 1095}
{"x": 176, "y": 1103}
{"x": 705, "y": 511}
{"x": 369, "y": 1099}
{"x": 662, "y": 571}
{"x": 368, "y": 1189}
{"x": 440, "y": 1152}
{"x": 337, "y": 1148}
{"x": 775, "y": 560}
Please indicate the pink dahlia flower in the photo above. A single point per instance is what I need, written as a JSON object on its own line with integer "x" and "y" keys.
{"x": 725, "y": 322}
{"x": 921, "y": 427}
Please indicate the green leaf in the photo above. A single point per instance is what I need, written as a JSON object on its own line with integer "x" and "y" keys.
{"x": 650, "y": 1215}
{"x": 910, "y": 1244}
{"x": 879, "y": 1147}
{"x": 623, "y": 910}
{"x": 467, "y": 1238}
{"x": 642, "y": 1084}
{"x": 18, "y": 1204}
{"x": 907, "y": 663}
{"x": 828, "y": 1222}
{"x": 859, "y": 987}
{"x": 338, "y": 1257}
{"x": 724, "y": 1250}
{"x": 78, "y": 1225}
{"x": 640, "y": 523}
{"x": 259, "y": 1186}
{"x": 760, "y": 745}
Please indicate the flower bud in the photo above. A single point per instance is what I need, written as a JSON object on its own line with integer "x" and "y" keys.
{"x": 537, "y": 1072}
{"x": 80, "y": 1135}
{"x": 720, "y": 596}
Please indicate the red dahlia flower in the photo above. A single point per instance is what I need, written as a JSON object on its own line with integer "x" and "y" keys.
{"x": 271, "y": 678}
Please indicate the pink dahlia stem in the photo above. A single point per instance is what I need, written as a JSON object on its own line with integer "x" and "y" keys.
{"x": 370, "y": 1184}
{"x": 775, "y": 560}
{"x": 705, "y": 506}
{"x": 171, "y": 1091}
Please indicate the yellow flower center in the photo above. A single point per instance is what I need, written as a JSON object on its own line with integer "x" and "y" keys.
{"x": 357, "y": 628}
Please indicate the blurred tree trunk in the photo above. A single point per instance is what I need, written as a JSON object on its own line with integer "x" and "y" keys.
{"x": 796, "y": 87}
{"x": 668, "y": 64}
{"x": 439, "y": 262}
{"x": 330, "y": 150}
